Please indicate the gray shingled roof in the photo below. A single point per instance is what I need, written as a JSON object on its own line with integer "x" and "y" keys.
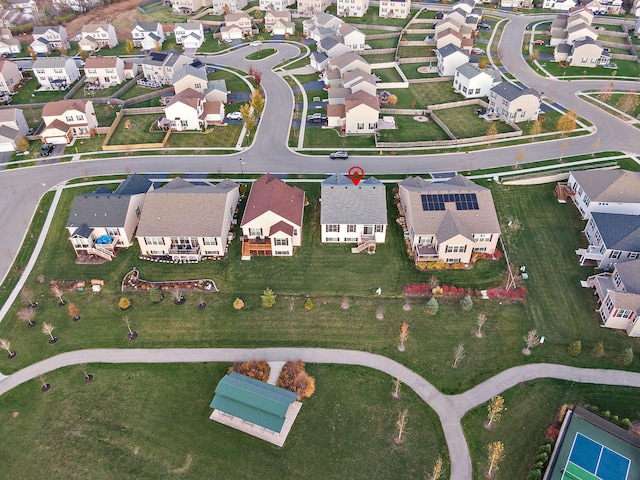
{"x": 630, "y": 275}
{"x": 345, "y": 203}
{"x": 101, "y": 210}
{"x": 449, "y": 49}
{"x": 564, "y": 48}
{"x": 510, "y": 92}
{"x": 134, "y": 185}
{"x": 619, "y": 232}
{"x": 620, "y": 186}
{"x": 467, "y": 70}
{"x": 197, "y": 72}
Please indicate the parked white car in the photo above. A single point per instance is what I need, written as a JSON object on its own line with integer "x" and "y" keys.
{"x": 234, "y": 116}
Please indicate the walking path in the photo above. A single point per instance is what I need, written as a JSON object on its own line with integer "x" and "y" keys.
{"x": 449, "y": 408}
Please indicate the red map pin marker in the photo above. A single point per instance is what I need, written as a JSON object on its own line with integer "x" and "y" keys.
{"x": 356, "y": 174}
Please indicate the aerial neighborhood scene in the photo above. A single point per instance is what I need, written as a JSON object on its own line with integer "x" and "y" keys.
{"x": 452, "y": 189}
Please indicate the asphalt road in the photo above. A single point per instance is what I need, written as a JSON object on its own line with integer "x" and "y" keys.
{"x": 22, "y": 188}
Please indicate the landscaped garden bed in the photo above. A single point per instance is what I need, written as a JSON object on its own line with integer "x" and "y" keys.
{"x": 133, "y": 283}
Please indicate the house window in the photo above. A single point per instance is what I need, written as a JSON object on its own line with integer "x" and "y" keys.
{"x": 482, "y": 237}
{"x": 464, "y": 89}
{"x": 154, "y": 240}
{"x": 138, "y": 212}
{"x": 624, "y": 313}
{"x": 456, "y": 249}
{"x": 112, "y": 232}
{"x": 80, "y": 118}
{"x": 632, "y": 255}
{"x": 332, "y": 239}
{"x": 379, "y": 228}
{"x": 69, "y": 118}
{"x": 210, "y": 241}
{"x": 282, "y": 253}
{"x": 332, "y": 228}
{"x": 617, "y": 280}
{"x": 477, "y": 91}
{"x": 480, "y": 249}
{"x": 609, "y": 304}
{"x": 614, "y": 254}
{"x": 351, "y": 229}
{"x": 425, "y": 239}
{"x": 351, "y": 239}
{"x": 453, "y": 260}
{"x": 587, "y": 200}
{"x": 372, "y": 126}
{"x": 281, "y": 242}
{"x": 255, "y": 232}
{"x": 360, "y": 126}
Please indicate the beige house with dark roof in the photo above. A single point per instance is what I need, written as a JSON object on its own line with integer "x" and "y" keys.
{"x": 236, "y": 26}
{"x": 448, "y": 221}
{"x": 182, "y": 222}
{"x": 272, "y": 220}
{"x": 10, "y": 76}
{"x": 361, "y": 112}
{"x": 96, "y": 36}
{"x": 104, "y": 72}
{"x": 66, "y": 120}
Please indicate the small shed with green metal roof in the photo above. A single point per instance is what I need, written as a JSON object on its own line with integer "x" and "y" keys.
{"x": 255, "y": 407}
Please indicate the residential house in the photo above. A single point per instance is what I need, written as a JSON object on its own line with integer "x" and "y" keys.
{"x": 605, "y": 191}
{"x": 189, "y": 110}
{"x": 76, "y": 5}
{"x": 352, "y": 213}
{"x": 102, "y": 221}
{"x": 473, "y": 82}
{"x": 448, "y": 37}
{"x": 279, "y": 22}
{"x": 353, "y": 8}
{"x": 449, "y": 58}
{"x": 514, "y": 104}
{"x": 618, "y": 294}
{"x": 183, "y": 222}
{"x": 332, "y": 47}
{"x": 228, "y": 6}
{"x": 272, "y": 220}
{"x": 161, "y": 67}
{"x": 189, "y": 35}
{"x": 448, "y": 221}
{"x": 275, "y": 5}
{"x": 349, "y": 61}
{"x": 448, "y": 23}
{"x": 311, "y": 7}
{"x": 318, "y": 61}
{"x": 12, "y": 125}
{"x": 48, "y": 38}
{"x": 351, "y": 36}
{"x": 562, "y": 5}
{"x": 613, "y": 238}
{"x": 96, "y": 36}
{"x": 516, "y": 4}
{"x": 216, "y": 91}
{"x": 357, "y": 80}
{"x": 320, "y": 25}
{"x": 187, "y": 7}
{"x": 191, "y": 76}
{"x": 104, "y": 72}
{"x": 255, "y": 407}
{"x": 584, "y": 53}
{"x": 362, "y": 111}
{"x": 604, "y": 7}
{"x": 26, "y": 6}
{"x": 466, "y": 5}
{"x": 66, "y": 120}
{"x": 131, "y": 69}
{"x": 558, "y": 30}
{"x": 637, "y": 26}
{"x": 10, "y": 76}
{"x": 236, "y": 26}
{"x": 147, "y": 35}
{"x": 580, "y": 31}
{"x": 8, "y": 44}
{"x": 55, "y": 73}
{"x": 394, "y": 8}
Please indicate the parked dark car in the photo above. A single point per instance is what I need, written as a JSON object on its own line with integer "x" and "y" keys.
{"x": 481, "y": 111}
{"x": 46, "y": 149}
{"x": 484, "y": 26}
{"x": 340, "y": 155}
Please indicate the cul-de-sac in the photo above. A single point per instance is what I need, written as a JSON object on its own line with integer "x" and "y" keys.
{"x": 320, "y": 239}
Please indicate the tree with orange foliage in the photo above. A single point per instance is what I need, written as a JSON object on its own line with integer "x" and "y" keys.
{"x": 404, "y": 334}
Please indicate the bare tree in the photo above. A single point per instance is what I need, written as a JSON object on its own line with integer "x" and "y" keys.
{"x": 404, "y": 334}
{"x": 27, "y": 315}
{"x": 57, "y": 291}
{"x": 83, "y": 368}
{"x": 481, "y": 319}
{"x": 47, "y": 329}
{"x": 178, "y": 298}
{"x": 436, "y": 473}
{"x": 28, "y": 297}
{"x": 628, "y": 102}
{"x": 519, "y": 157}
{"x": 567, "y": 122}
{"x": 397, "y": 385}
{"x": 132, "y": 335}
{"x": 563, "y": 148}
{"x": 532, "y": 339}
{"x": 535, "y": 129}
{"x": 5, "y": 344}
{"x": 402, "y": 425}
{"x": 606, "y": 92}
{"x": 45, "y": 386}
{"x": 458, "y": 354}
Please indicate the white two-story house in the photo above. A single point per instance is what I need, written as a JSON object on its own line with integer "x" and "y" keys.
{"x": 96, "y": 36}
{"x": 189, "y": 35}
{"x": 55, "y": 73}
{"x": 49, "y": 38}
{"x": 147, "y": 35}
{"x": 104, "y": 72}
{"x": 511, "y": 103}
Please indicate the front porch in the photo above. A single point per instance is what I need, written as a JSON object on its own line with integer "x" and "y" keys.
{"x": 256, "y": 246}
{"x": 425, "y": 253}
{"x": 590, "y": 256}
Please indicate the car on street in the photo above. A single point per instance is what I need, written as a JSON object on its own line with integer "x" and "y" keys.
{"x": 234, "y": 116}
{"x": 46, "y": 149}
{"x": 538, "y": 42}
{"x": 339, "y": 155}
{"x": 255, "y": 43}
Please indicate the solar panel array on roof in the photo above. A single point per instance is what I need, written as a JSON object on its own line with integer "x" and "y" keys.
{"x": 463, "y": 201}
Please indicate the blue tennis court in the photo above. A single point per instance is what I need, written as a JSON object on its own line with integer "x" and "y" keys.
{"x": 590, "y": 460}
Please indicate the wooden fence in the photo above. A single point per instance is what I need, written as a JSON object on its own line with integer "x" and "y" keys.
{"x": 431, "y": 80}
{"x": 381, "y": 36}
{"x": 417, "y": 60}
{"x": 137, "y": 146}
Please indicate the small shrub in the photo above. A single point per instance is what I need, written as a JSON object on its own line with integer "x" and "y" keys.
{"x": 575, "y": 348}
{"x": 598, "y": 350}
{"x": 268, "y": 298}
{"x": 238, "y": 304}
{"x": 124, "y": 303}
{"x": 466, "y": 303}
{"x": 534, "y": 474}
{"x": 542, "y": 457}
{"x": 155, "y": 295}
{"x": 259, "y": 370}
{"x": 545, "y": 448}
{"x": 625, "y": 357}
{"x": 606, "y": 414}
{"x": 308, "y": 304}
{"x": 432, "y": 306}
{"x": 625, "y": 423}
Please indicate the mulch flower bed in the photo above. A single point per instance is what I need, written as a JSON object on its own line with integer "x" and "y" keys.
{"x": 133, "y": 283}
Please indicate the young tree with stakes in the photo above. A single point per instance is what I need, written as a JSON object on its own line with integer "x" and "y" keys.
{"x": 6, "y": 345}
{"x": 268, "y": 298}
{"x": 495, "y": 452}
{"x": 27, "y": 315}
{"x": 532, "y": 339}
{"x": 47, "y": 329}
{"x": 74, "y": 312}
{"x": 397, "y": 385}
{"x": 27, "y": 296}
{"x": 494, "y": 410}
{"x": 87, "y": 376}
{"x": 131, "y": 335}
{"x": 58, "y": 293}
{"x": 402, "y": 425}
{"x": 404, "y": 334}
{"x": 45, "y": 386}
{"x": 458, "y": 354}
{"x": 481, "y": 319}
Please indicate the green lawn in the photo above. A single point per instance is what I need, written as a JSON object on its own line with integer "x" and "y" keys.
{"x": 371, "y": 18}
{"x": 152, "y": 421}
{"x": 613, "y": 39}
{"x": 233, "y": 81}
{"x": 412, "y": 52}
{"x": 410, "y": 71}
{"x": 465, "y": 123}
{"x": 139, "y": 133}
{"x": 378, "y": 58}
{"x": 219, "y": 136}
{"x": 27, "y": 94}
{"x": 531, "y": 408}
{"x": 434, "y": 93}
{"x": 383, "y": 43}
{"x": 625, "y": 69}
{"x": 212, "y": 45}
{"x": 428, "y": 14}
{"x": 103, "y": 93}
{"x": 261, "y": 54}
{"x": 316, "y": 137}
{"x": 138, "y": 90}
{"x": 105, "y": 114}
{"x": 411, "y": 131}
{"x": 387, "y": 75}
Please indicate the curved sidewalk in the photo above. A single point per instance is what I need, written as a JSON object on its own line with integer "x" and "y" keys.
{"x": 450, "y": 409}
